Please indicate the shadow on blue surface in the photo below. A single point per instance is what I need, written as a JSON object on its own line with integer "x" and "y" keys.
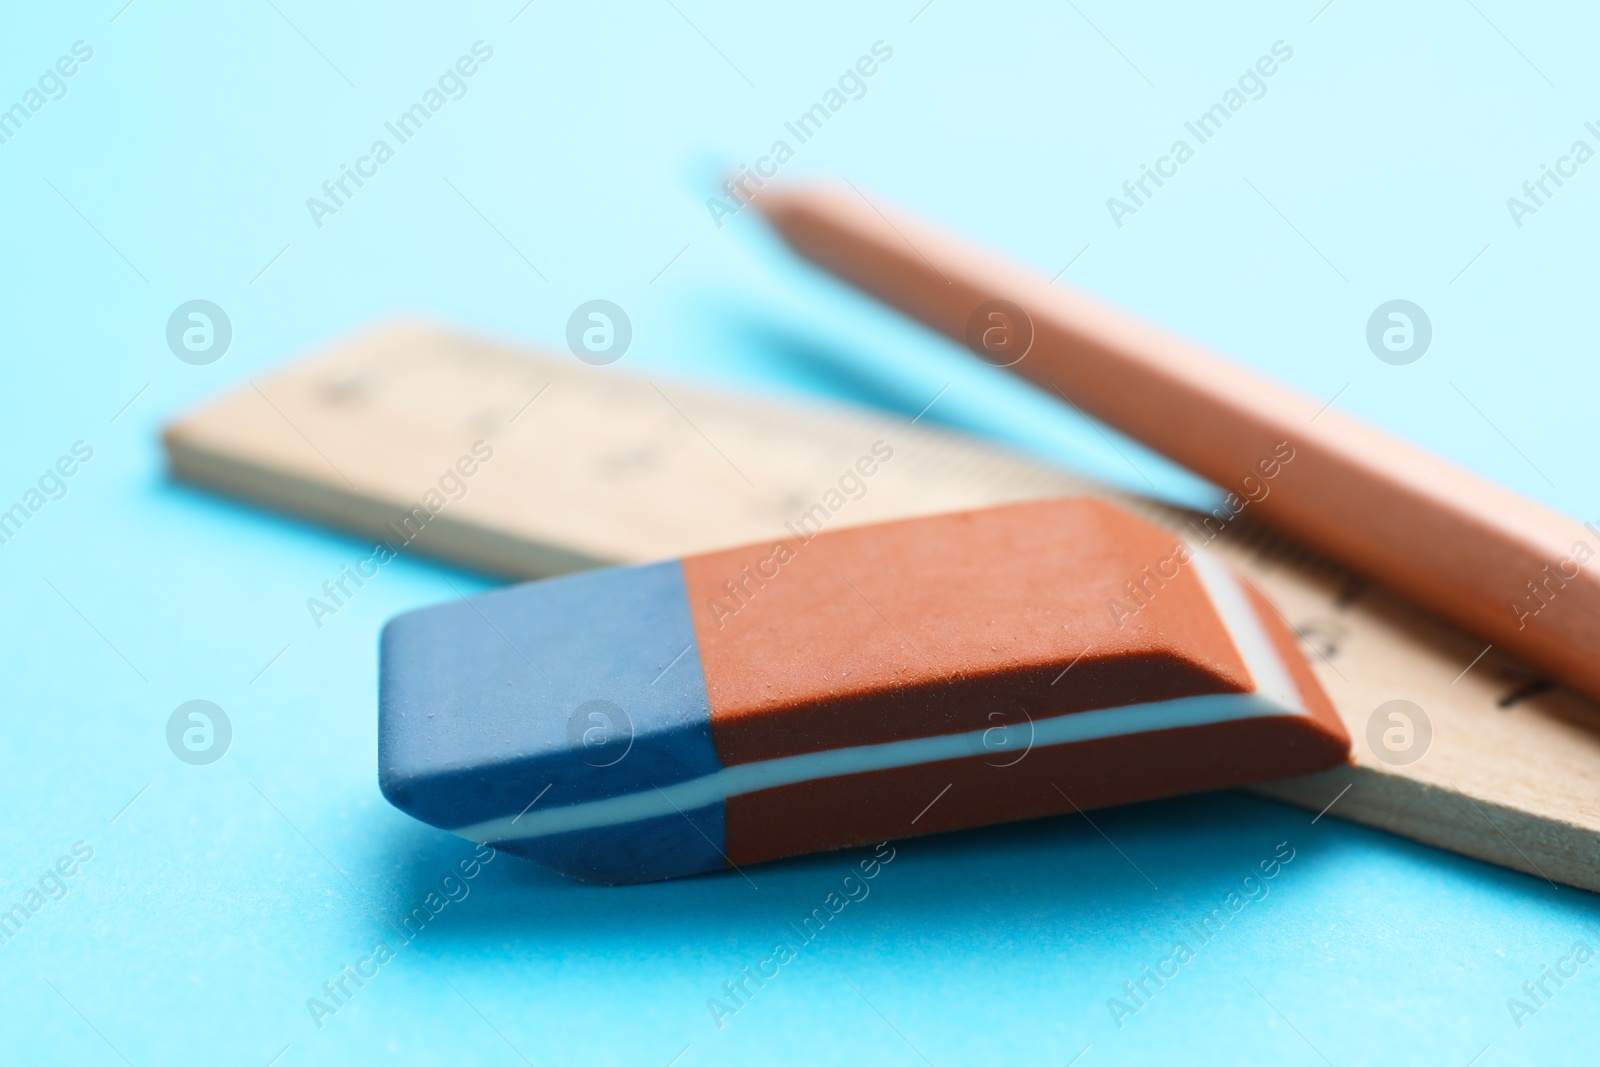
{"x": 1136, "y": 870}
{"x": 829, "y": 368}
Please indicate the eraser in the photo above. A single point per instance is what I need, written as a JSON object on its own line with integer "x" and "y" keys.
{"x": 842, "y": 688}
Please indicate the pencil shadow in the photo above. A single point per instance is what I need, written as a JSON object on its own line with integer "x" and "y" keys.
{"x": 820, "y": 363}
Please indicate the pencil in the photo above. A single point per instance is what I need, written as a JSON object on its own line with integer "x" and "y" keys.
{"x": 1495, "y": 563}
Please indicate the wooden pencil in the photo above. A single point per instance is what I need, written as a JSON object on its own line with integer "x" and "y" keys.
{"x": 1504, "y": 567}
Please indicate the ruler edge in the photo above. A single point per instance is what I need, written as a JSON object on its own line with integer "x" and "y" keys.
{"x": 474, "y": 546}
{"x": 1441, "y": 818}
{"x": 446, "y": 539}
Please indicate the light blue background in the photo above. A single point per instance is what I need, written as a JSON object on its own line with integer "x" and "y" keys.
{"x": 224, "y": 896}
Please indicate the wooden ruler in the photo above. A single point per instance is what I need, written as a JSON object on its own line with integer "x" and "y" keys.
{"x": 589, "y": 466}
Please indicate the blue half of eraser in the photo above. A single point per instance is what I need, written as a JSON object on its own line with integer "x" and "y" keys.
{"x": 554, "y": 693}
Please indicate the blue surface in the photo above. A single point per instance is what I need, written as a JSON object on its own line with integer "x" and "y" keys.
{"x": 219, "y": 899}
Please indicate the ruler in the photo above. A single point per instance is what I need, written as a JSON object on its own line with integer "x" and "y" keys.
{"x": 524, "y": 465}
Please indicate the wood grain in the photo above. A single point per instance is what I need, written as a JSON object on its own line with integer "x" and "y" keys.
{"x": 592, "y": 466}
